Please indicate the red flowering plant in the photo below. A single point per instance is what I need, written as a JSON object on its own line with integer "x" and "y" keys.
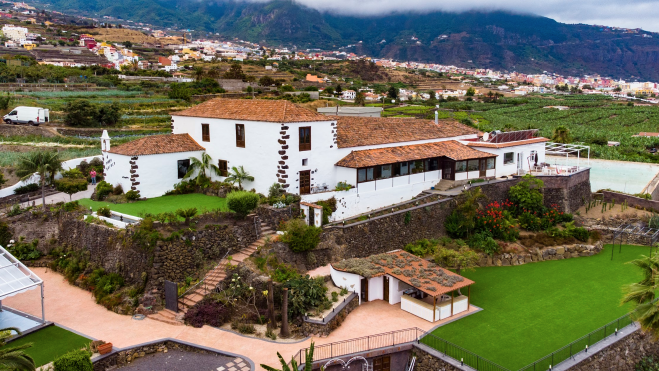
{"x": 496, "y": 220}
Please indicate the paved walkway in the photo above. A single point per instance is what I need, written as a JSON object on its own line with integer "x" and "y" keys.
{"x": 62, "y": 197}
{"x": 76, "y": 309}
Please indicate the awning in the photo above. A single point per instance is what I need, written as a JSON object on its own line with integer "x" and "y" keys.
{"x": 15, "y": 277}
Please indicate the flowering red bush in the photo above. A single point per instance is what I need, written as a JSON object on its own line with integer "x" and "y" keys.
{"x": 496, "y": 220}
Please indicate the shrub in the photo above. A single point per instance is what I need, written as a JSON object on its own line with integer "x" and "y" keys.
{"x": 71, "y": 185}
{"x": 207, "y": 312}
{"x": 329, "y": 206}
{"x": 454, "y": 225}
{"x": 335, "y": 296}
{"x": 132, "y": 195}
{"x": 246, "y": 328}
{"x": 647, "y": 364}
{"x": 422, "y": 247}
{"x": 284, "y": 273}
{"x": 274, "y": 192}
{"x": 118, "y": 190}
{"x": 103, "y": 189}
{"x": 580, "y": 233}
{"x": 529, "y": 221}
{"x": 183, "y": 188}
{"x": 5, "y": 234}
{"x": 305, "y": 293}
{"x": 187, "y": 214}
{"x": 483, "y": 241}
{"x": 343, "y": 186}
{"x": 78, "y": 360}
{"x": 25, "y": 251}
{"x": 242, "y": 202}
{"x": 104, "y": 211}
{"x": 26, "y": 188}
{"x": 496, "y": 220}
{"x": 653, "y": 222}
{"x": 526, "y": 195}
{"x": 299, "y": 236}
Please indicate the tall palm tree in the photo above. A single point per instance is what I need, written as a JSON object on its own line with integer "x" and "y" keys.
{"x": 308, "y": 362}
{"x": 14, "y": 358}
{"x": 561, "y": 135}
{"x": 200, "y": 166}
{"x": 239, "y": 175}
{"x": 43, "y": 163}
{"x": 198, "y": 73}
{"x": 642, "y": 294}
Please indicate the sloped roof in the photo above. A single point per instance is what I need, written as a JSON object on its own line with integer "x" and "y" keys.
{"x": 389, "y": 155}
{"x": 414, "y": 271}
{"x": 158, "y": 144}
{"x": 252, "y": 110}
{"x": 355, "y": 131}
{"x": 507, "y": 144}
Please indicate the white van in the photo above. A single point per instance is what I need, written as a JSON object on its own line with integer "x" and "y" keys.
{"x": 27, "y": 115}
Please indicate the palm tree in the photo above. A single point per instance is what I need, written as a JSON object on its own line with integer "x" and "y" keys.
{"x": 308, "y": 362}
{"x": 14, "y": 358}
{"x": 201, "y": 166}
{"x": 239, "y": 175}
{"x": 45, "y": 164}
{"x": 642, "y": 294}
{"x": 561, "y": 135}
{"x": 198, "y": 73}
{"x": 214, "y": 72}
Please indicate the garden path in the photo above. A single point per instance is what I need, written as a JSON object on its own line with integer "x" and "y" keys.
{"x": 62, "y": 197}
{"x": 76, "y": 309}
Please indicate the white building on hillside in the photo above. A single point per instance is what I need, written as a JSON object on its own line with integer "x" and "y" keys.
{"x": 14, "y": 33}
{"x": 349, "y": 94}
{"x": 385, "y": 160}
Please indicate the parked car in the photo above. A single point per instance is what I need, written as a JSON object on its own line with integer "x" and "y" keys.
{"x": 27, "y": 115}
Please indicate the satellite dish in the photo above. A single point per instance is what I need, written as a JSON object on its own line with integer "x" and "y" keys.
{"x": 486, "y": 136}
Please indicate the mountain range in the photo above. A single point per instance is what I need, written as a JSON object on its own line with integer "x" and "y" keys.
{"x": 497, "y": 40}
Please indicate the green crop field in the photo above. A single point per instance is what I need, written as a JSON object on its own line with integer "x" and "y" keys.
{"x": 592, "y": 120}
{"x": 534, "y": 309}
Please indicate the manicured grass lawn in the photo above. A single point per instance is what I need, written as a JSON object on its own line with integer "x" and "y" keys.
{"x": 50, "y": 343}
{"x": 534, "y": 309}
{"x": 163, "y": 204}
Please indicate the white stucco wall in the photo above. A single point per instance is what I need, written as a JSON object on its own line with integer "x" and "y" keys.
{"x": 349, "y": 281}
{"x": 157, "y": 173}
{"x": 376, "y": 288}
{"x": 394, "y": 294}
{"x": 510, "y": 169}
{"x": 261, "y": 156}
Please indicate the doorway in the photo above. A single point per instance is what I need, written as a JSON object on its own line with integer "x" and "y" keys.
{"x": 447, "y": 170}
{"x": 382, "y": 363}
{"x": 385, "y": 295}
{"x": 305, "y": 182}
{"x": 364, "y": 285}
{"x": 482, "y": 167}
{"x": 312, "y": 214}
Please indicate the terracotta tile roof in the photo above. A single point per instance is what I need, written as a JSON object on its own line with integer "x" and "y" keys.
{"x": 158, "y": 144}
{"x": 646, "y": 134}
{"x": 506, "y": 144}
{"x": 414, "y": 271}
{"x": 381, "y": 156}
{"x": 365, "y": 131}
{"x": 252, "y": 110}
{"x": 311, "y": 205}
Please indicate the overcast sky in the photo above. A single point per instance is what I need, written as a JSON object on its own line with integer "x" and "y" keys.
{"x": 622, "y": 13}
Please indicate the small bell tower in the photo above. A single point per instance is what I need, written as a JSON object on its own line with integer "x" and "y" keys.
{"x": 105, "y": 141}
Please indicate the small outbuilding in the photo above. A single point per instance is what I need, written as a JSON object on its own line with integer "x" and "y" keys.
{"x": 422, "y": 287}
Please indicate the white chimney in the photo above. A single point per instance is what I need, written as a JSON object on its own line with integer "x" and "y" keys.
{"x": 105, "y": 141}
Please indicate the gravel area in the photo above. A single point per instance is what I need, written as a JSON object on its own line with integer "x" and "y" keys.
{"x": 177, "y": 360}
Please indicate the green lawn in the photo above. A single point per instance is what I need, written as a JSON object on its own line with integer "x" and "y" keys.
{"x": 163, "y": 204}
{"x": 50, "y": 343}
{"x": 534, "y": 309}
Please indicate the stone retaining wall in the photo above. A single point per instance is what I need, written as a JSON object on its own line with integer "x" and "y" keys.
{"x": 429, "y": 362}
{"x": 622, "y": 355}
{"x": 272, "y": 217}
{"x": 632, "y": 201}
{"x": 535, "y": 254}
{"x": 314, "y": 328}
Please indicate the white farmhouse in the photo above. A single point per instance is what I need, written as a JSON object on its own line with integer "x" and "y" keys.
{"x": 385, "y": 160}
{"x": 14, "y": 33}
{"x": 349, "y": 94}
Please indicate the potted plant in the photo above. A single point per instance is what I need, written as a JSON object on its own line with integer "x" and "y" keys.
{"x": 105, "y": 348}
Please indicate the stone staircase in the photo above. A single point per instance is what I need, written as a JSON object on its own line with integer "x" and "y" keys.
{"x": 211, "y": 280}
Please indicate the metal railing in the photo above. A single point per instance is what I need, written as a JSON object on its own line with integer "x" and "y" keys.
{"x": 579, "y": 345}
{"x": 362, "y": 344}
{"x": 459, "y": 354}
{"x": 203, "y": 280}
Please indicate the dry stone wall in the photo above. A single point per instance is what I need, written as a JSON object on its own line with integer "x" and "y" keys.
{"x": 622, "y": 355}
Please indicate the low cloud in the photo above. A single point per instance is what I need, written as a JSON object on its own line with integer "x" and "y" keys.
{"x": 631, "y": 14}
